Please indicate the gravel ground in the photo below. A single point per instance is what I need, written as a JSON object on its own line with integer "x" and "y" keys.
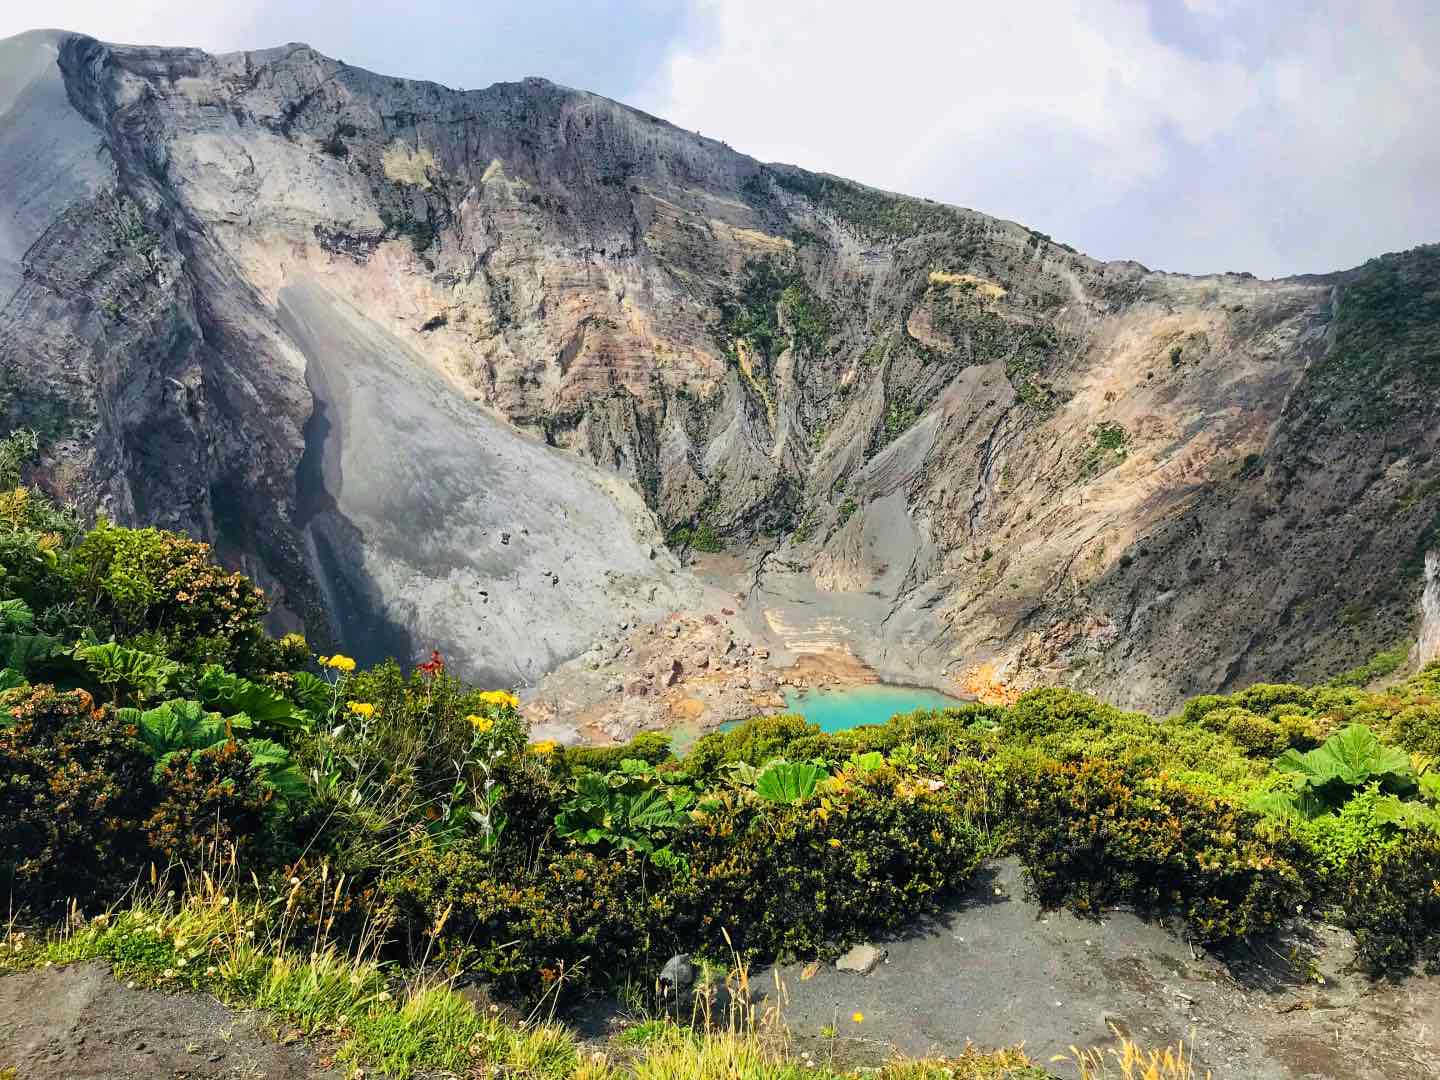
{"x": 79, "y": 1023}
{"x": 994, "y": 970}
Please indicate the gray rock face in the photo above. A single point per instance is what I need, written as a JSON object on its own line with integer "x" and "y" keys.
{"x": 359, "y": 330}
{"x": 406, "y": 491}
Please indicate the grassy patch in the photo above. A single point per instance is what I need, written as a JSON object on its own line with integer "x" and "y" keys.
{"x": 1385, "y": 357}
{"x": 1383, "y": 663}
{"x": 1109, "y": 446}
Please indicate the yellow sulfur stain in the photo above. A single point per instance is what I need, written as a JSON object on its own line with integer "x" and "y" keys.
{"x": 987, "y": 289}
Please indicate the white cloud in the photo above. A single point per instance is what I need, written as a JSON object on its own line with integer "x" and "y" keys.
{"x": 884, "y": 93}
{"x": 1081, "y": 119}
{"x": 213, "y": 26}
{"x": 1279, "y": 137}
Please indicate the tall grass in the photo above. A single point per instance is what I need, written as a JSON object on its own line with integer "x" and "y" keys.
{"x": 1130, "y": 1062}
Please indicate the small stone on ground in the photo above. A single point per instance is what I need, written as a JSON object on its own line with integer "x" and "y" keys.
{"x": 862, "y": 959}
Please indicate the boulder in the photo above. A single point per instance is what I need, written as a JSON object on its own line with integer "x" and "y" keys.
{"x": 677, "y": 977}
{"x": 862, "y": 959}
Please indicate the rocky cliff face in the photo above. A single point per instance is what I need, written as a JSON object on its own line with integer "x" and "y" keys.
{"x": 332, "y": 320}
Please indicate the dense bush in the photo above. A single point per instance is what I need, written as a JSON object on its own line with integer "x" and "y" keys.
{"x": 763, "y": 879}
{"x": 211, "y": 802}
{"x": 1388, "y": 893}
{"x": 75, "y": 788}
{"x": 1092, "y": 835}
{"x": 166, "y": 590}
{"x": 800, "y": 879}
{"x": 651, "y": 747}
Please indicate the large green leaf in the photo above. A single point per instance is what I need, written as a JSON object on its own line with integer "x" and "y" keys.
{"x": 275, "y": 766}
{"x": 1348, "y": 760}
{"x": 16, "y": 616}
{"x": 1409, "y": 816}
{"x": 1430, "y": 786}
{"x": 649, "y": 811}
{"x": 178, "y": 725}
{"x": 865, "y": 763}
{"x": 789, "y": 781}
{"x": 231, "y": 694}
{"x": 139, "y": 672}
{"x": 626, "y": 809}
{"x": 312, "y": 692}
{"x": 24, "y": 651}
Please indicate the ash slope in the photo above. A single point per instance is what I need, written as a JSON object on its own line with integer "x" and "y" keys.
{"x": 941, "y": 438}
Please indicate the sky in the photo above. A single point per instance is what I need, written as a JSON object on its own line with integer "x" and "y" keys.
{"x": 1276, "y": 137}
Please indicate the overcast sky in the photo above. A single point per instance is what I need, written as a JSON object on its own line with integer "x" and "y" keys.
{"x": 1275, "y": 136}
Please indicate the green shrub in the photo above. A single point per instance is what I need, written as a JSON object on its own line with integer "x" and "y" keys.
{"x": 1041, "y": 712}
{"x": 167, "y": 587}
{"x": 1383, "y": 663}
{"x": 652, "y": 747}
{"x": 795, "y": 879}
{"x": 75, "y": 788}
{"x": 1416, "y": 727}
{"x": 777, "y": 879}
{"x": 1262, "y": 736}
{"x": 1389, "y": 895}
{"x": 213, "y": 805}
{"x": 1093, "y": 835}
{"x": 754, "y": 742}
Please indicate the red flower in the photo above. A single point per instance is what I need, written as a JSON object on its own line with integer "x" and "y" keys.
{"x": 434, "y": 665}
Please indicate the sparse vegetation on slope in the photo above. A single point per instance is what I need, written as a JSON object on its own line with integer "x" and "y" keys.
{"x": 1386, "y": 347}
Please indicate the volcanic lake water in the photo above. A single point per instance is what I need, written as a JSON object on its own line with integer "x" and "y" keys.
{"x": 872, "y": 703}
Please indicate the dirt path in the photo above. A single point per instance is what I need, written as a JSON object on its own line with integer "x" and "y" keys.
{"x": 79, "y": 1023}
{"x": 994, "y": 970}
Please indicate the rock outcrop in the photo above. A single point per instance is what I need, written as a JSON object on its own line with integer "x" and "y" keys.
{"x": 355, "y": 328}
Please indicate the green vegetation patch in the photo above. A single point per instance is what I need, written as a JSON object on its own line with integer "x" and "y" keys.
{"x": 770, "y": 289}
{"x": 1109, "y": 446}
{"x": 1385, "y": 356}
{"x": 877, "y": 215}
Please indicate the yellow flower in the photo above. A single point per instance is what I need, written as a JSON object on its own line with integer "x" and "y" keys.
{"x": 502, "y": 698}
{"x": 361, "y": 708}
{"x": 338, "y": 662}
{"x": 858, "y": 1017}
{"x": 834, "y": 842}
{"x": 544, "y": 749}
{"x": 481, "y": 724}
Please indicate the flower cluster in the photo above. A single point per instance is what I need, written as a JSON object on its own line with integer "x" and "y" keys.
{"x": 345, "y": 664}
{"x": 481, "y": 724}
{"x": 361, "y": 708}
{"x": 502, "y": 698}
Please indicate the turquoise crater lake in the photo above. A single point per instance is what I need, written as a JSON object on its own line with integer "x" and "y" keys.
{"x": 872, "y": 703}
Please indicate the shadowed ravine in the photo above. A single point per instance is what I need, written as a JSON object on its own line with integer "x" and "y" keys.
{"x": 420, "y": 511}
{"x": 332, "y": 541}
